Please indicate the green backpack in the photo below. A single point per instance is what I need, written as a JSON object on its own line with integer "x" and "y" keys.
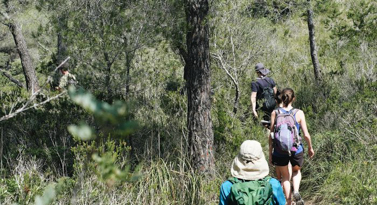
{"x": 256, "y": 192}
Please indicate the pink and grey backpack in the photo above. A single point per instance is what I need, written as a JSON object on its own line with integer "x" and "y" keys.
{"x": 286, "y": 135}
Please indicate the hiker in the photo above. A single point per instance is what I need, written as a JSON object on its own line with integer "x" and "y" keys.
{"x": 279, "y": 103}
{"x": 264, "y": 88}
{"x": 249, "y": 172}
{"x": 66, "y": 79}
{"x": 285, "y": 144}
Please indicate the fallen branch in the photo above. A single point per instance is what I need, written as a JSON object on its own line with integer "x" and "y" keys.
{"x": 26, "y": 107}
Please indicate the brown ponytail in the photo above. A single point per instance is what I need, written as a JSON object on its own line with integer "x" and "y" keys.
{"x": 287, "y": 96}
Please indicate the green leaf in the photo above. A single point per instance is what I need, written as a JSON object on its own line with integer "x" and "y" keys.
{"x": 48, "y": 196}
{"x": 82, "y": 132}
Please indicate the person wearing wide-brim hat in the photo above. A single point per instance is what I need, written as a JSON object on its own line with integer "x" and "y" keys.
{"x": 257, "y": 88}
{"x": 250, "y": 164}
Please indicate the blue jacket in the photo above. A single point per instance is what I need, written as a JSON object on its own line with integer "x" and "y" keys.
{"x": 277, "y": 191}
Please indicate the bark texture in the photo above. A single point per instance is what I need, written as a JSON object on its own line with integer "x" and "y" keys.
{"x": 198, "y": 81}
{"x": 313, "y": 47}
{"x": 32, "y": 84}
{"x": 62, "y": 52}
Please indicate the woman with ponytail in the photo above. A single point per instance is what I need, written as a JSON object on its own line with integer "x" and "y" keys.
{"x": 296, "y": 157}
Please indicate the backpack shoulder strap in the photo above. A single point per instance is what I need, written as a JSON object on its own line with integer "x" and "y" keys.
{"x": 260, "y": 85}
{"x": 265, "y": 79}
{"x": 233, "y": 180}
{"x": 267, "y": 178}
{"x": 294, "y": 111}
{"x": 277, "y": 111}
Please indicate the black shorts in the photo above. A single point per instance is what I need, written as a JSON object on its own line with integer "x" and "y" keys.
{"x": 295, "y": 159}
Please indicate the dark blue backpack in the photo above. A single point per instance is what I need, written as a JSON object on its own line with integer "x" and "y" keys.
{"x": 269, "y": 102}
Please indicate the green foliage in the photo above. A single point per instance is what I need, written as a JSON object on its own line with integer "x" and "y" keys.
{"x": 127, "y": 51}
{"x": 48, "y": 196}
{"x": 348, "y": 185}
{"x": 103, "y": 112}
{"x": 273, "y": 9}
{"x": 83, "y": 132}
{"x": 106, "y": 167}
{"x": 169, "y": 185}
{"x": 363, "y": 17}
{"x": 54, "y": 190}
{"x": 104, "y": 157}
{"x": 174, "y": 28}
{"x": 348, "y": 149}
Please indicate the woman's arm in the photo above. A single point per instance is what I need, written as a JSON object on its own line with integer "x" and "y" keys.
{"x": 301, "y": 120}
{"x": 272, "y": 128}
{"x": 253, "y": 99}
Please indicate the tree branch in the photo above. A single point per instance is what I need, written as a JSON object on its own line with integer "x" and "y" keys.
{"x": 61, "y": 64}
{"x": 183, "y": 53}
{"x": 9, "y": 76}
{"x": 4, "y": 17}
{"x": 26, "y": 107}
{"x": 8, "y": 50}
{"x": 223, "y": 66}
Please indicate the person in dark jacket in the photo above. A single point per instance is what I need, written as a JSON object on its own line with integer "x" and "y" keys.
{"x": 257, "y": 88}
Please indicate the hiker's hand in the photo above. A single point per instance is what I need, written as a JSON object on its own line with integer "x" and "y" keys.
{"x": 255, "y": 114}
{"x": 311, "y": 152}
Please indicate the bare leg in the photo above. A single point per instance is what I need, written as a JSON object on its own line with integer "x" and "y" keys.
{"x": 278, "y": 175}
{"x": 285, "y": 181}
{"x": 290, "y": 176}
{"x": 296, "y": 178}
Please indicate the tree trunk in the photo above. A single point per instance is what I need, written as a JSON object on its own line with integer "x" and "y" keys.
{"x": 62, "y": 53}
{"x": 198, "y": 81}
{"x": 109, "y": 63}
{"x": 27, "y": 64}
{"x": 129, "y": 56}
{"x": 313, "y": 47}
{"x": 128, "y": 77}
{"x": 236, "y": 100}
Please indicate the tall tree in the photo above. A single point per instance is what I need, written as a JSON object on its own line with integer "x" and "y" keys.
{"x": 62, "y": 26}
{"x": 313, "y": 47}
{"x": 26, "y": 61}
{"x": 198, "y": 81}
{"x": 27, "y": 64}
